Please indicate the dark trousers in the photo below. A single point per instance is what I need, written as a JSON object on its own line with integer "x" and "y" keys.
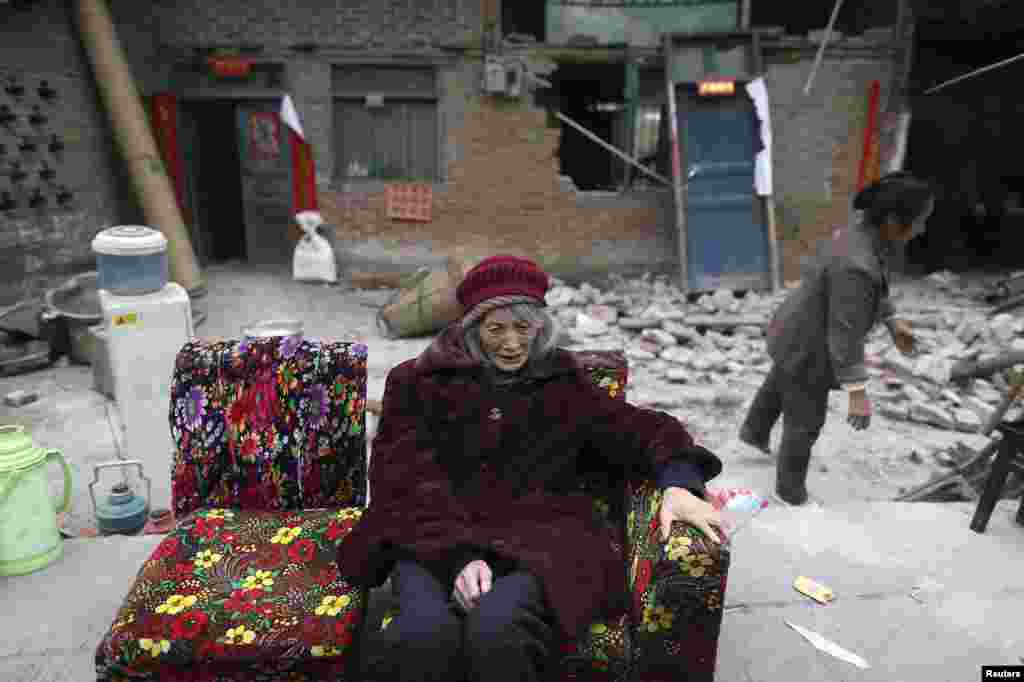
{"x": 508, "y": 636}
{"x": 803, "y": 404}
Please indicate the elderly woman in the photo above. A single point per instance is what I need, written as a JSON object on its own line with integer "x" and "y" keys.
{"x": 476, "y": 513}
{"x": 816, "y": 337}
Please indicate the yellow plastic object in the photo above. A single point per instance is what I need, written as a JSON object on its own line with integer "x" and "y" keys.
{"x": 813, "y": 589}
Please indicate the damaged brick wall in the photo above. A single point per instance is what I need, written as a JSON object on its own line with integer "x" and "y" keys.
{"x": 504, "y": 194}
{"x": 500, "y": 188}
{"x": 503, "y": 190}
{"x": 41, "y": 248}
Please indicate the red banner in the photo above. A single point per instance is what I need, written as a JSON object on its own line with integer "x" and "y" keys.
{"x": 870, "y": 163}
{"x": 230, "y": 67}
{"x": 165, "y": 129}
{"x": 303, "y": 174}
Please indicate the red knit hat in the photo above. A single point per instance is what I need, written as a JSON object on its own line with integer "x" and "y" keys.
{"x": 502, "y": 276}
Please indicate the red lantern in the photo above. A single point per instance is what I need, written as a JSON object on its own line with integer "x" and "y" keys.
{"x": 230, "y": 67}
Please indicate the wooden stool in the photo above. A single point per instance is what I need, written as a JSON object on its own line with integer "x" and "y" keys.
{"x": 1011, "y": 448}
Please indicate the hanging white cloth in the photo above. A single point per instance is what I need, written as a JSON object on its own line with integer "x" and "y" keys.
{"x": 290, "y": 116}
{"x": 763, "y": 163}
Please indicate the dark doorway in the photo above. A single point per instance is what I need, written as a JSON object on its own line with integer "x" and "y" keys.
{"x": 592, "y": 95}
{"x": 215, "y": 179}
{"x": 962, "y": 138}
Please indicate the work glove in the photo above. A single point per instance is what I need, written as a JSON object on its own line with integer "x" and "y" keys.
{"x": 859, "y": 412}
{"x": 902, "y": 336}
{"x": 472, "y": 583}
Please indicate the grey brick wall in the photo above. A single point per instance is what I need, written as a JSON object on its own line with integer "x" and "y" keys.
{"x": 41, "y": 248}
{"x": 818, "y": 140}
{"x": 391, "y": 24}
{"x": 807, "y": 128}
{"x": 309, "y": 82}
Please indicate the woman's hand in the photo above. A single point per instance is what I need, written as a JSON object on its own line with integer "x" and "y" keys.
{"x": 859, "y": 411}
{"x": 473, "y": 582}
{"x": 680, "y": 504}
{"x": 902, "y": 336}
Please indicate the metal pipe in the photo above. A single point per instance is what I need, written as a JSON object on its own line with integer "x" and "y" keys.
{"x": 135, "y": 139}
{"x": 824, "y": 43}
{"x": 625, "y": 157}
{"x": 976, "y": 72}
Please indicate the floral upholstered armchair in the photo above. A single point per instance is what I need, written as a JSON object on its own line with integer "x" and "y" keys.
{"x": 269, "y": 475}
{"x": 678, "y": 587}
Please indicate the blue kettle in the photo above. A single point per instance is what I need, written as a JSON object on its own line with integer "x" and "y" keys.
{"x": 122, "y": 512}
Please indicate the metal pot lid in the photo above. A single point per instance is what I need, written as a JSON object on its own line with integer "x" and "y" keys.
{"x": 17, "y": 451}
{"x": 129, "y": 240}
{"x": 121, "y": 504}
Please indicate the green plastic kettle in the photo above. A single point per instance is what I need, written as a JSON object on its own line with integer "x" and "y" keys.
{"x": 29, "y": 538}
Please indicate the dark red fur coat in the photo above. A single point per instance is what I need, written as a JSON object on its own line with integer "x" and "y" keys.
{"x": 447, "y": 472}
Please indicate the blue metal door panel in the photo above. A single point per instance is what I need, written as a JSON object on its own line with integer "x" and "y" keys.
{"x": 727, "y": 240}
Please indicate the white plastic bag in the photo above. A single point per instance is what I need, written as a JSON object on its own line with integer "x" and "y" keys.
{"x": 738, "y": 507}
{"x": 314, "y": 258}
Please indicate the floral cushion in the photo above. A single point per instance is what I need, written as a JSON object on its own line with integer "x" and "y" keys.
{"x": 678, "y": 590}
{"x": 269, "y": 424}
{"x": 239, "y": 595}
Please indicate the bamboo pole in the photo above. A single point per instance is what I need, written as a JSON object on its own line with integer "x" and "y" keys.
{"x": 135, "y": 140}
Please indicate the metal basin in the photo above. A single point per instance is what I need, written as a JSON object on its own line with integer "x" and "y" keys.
{"x": 73, "y": 307}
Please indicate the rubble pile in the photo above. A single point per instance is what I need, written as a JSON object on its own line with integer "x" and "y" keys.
{"x": 679, "y": 344}
{"x": 710, "y": 341}
{"x": 966, "y": 473}
{"x": 919, "y": 388}
{"x": 718, "y": 339}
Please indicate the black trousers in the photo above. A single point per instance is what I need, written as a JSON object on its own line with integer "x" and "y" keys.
{"x": 508, "y": 636}
{"x": 803, "y": 404}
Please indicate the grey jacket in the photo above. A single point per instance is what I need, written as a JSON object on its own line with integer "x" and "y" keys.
{"x": 818, "y": 333}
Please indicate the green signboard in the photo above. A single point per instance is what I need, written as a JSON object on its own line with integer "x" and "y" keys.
{"x": 635, "y": 22}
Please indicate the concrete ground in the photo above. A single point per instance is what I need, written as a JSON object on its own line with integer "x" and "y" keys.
{"x": 872, "y": 553}
{"x": 918, "y": 595}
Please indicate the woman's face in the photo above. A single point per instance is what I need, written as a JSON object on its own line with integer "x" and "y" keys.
{"x": 506, "y": 339}
{"x": 904, "y": 232}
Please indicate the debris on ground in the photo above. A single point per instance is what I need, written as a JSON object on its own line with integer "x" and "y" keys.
{"x": 716, "y": 342}
{"x": 663, "y": 333}
{"x": 813, "y": 589}
{"x": 720, "y": 335}
{"x": 830, "y": 647}
{"x": 969, "y": 470}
